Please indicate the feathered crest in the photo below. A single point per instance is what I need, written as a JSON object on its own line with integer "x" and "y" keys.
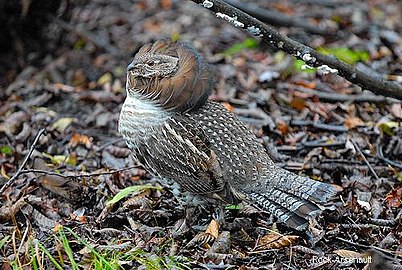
{"x": 185, "y": 89}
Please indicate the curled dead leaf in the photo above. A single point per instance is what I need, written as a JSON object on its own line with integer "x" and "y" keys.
{"x": 396, "y": 110}
{"x": 213, "y": 228}
{"x": 78, "y": 215}
{"x": 8, "y": 211}
{"x": 201, "y": 239}
{"x": 298, "y": 103}
{"x": 12, "y": 122}
{"x": 307, "y": 84}
{"x": 394, "y": 198}
{"x": 344, "y": 253}
{"x": 166, "y": 4}
{"x": 79, "y": 139}
{"x": 283, "y": 128}
{"x": 120, "y": 152}
{"x": 276, "y": 241}
{"x": 353, "y": 122}
{"x": 24, "y": 133}
{"x": 100, "y": 96}
{"x": 137, "y": 200}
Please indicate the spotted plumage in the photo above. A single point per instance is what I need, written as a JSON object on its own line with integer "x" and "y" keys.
{"x": 177, "y": 134}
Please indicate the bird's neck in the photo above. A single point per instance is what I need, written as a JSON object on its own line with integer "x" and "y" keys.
{"x": 138, "y": 116}
{"x": 143, "y": 107}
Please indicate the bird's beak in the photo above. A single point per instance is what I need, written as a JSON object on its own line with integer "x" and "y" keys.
{"x": 131, "y": 66}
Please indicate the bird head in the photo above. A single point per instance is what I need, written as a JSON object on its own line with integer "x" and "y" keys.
{"x": 170, "y": 74}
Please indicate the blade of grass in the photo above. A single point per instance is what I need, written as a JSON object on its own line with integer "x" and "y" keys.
{"x": 4, "y": 241}
{"x": 51, "y": 258}
{"x": 34, "y": 263}
{"x": 67, "y": 249}
{"x": 99, "y": 256}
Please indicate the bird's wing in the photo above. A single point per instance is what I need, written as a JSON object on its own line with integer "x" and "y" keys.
{"x": 180, "y": 151}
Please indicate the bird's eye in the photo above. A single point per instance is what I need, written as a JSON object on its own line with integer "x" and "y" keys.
{"x": 153, "y": 63}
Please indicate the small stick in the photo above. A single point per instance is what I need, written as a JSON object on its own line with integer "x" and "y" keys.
{"x": 365, "y": 160}
{"x": 31, "y": 149}
{"x": 78, "y": 175}
{"x": 368, "y": 247}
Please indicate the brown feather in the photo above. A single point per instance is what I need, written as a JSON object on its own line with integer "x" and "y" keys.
{"x": 185, "y": 90}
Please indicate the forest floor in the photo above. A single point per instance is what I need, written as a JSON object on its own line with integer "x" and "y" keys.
{"x": 59, "y": 107}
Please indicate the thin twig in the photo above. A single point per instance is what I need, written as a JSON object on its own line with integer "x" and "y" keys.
{"x": 318, "y": 125}
{"x": 367, "y": 80}
{"x": 18, "y": 172}
{"x": 383, "y": 222}
{"x": 336, "y": 97}
{"x": 78, "y": 175}
{"x": 390, "y": 162}
{"x": 368, "y": 247}
{"x": 383, "y": 170}
{"x": 365, "y": 160}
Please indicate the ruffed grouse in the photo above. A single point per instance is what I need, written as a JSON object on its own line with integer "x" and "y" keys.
{"x": 177, "y": 134}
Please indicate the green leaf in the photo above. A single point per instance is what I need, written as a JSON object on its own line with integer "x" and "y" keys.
{"x": 399, "y": 176}
{"x": 4, "y": 241}
{"x": 389, "y": 127}
{"x": 128, "y": 191}
{"x": 233, "y": 207}
{"x": 345, "y": 54}
{"x": 5, "y": 149}
{"x": 61, "y": 159}
{"x": 248, "y": 43}
{"x": 47, "y": 252}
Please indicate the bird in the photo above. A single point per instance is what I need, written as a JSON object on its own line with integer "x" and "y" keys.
{"x": 176, "y": 133}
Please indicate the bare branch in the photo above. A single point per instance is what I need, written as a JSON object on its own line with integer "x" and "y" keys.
{"x": 336, "y": 97}
{"x": 31, "y": 149}
{"x": 371, "y": 81}
{"x": 82, "y": 175}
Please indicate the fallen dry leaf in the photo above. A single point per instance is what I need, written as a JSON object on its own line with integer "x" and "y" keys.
{"x": 396, "y": 110}
{"x": 298, "y": 103}
{"x": 283, "y": 128}
{"x": 276, "y": 241}
{"x": 307, "y": 84}
{"x": 344, "y": 253}
{"x": 352, "y": 122}
{"x": 213, "y": 228}
{"x": 166, "y": 4}
{"x": 79, "y": 139}
{"x": 13, "y": 122}
{"x": 393, "y": 198}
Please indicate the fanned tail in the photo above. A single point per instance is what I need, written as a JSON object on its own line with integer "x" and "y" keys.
{"x": 294, "y": 199}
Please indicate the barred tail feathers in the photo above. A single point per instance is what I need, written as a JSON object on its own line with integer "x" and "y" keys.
{"x": 294, "y": 199}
